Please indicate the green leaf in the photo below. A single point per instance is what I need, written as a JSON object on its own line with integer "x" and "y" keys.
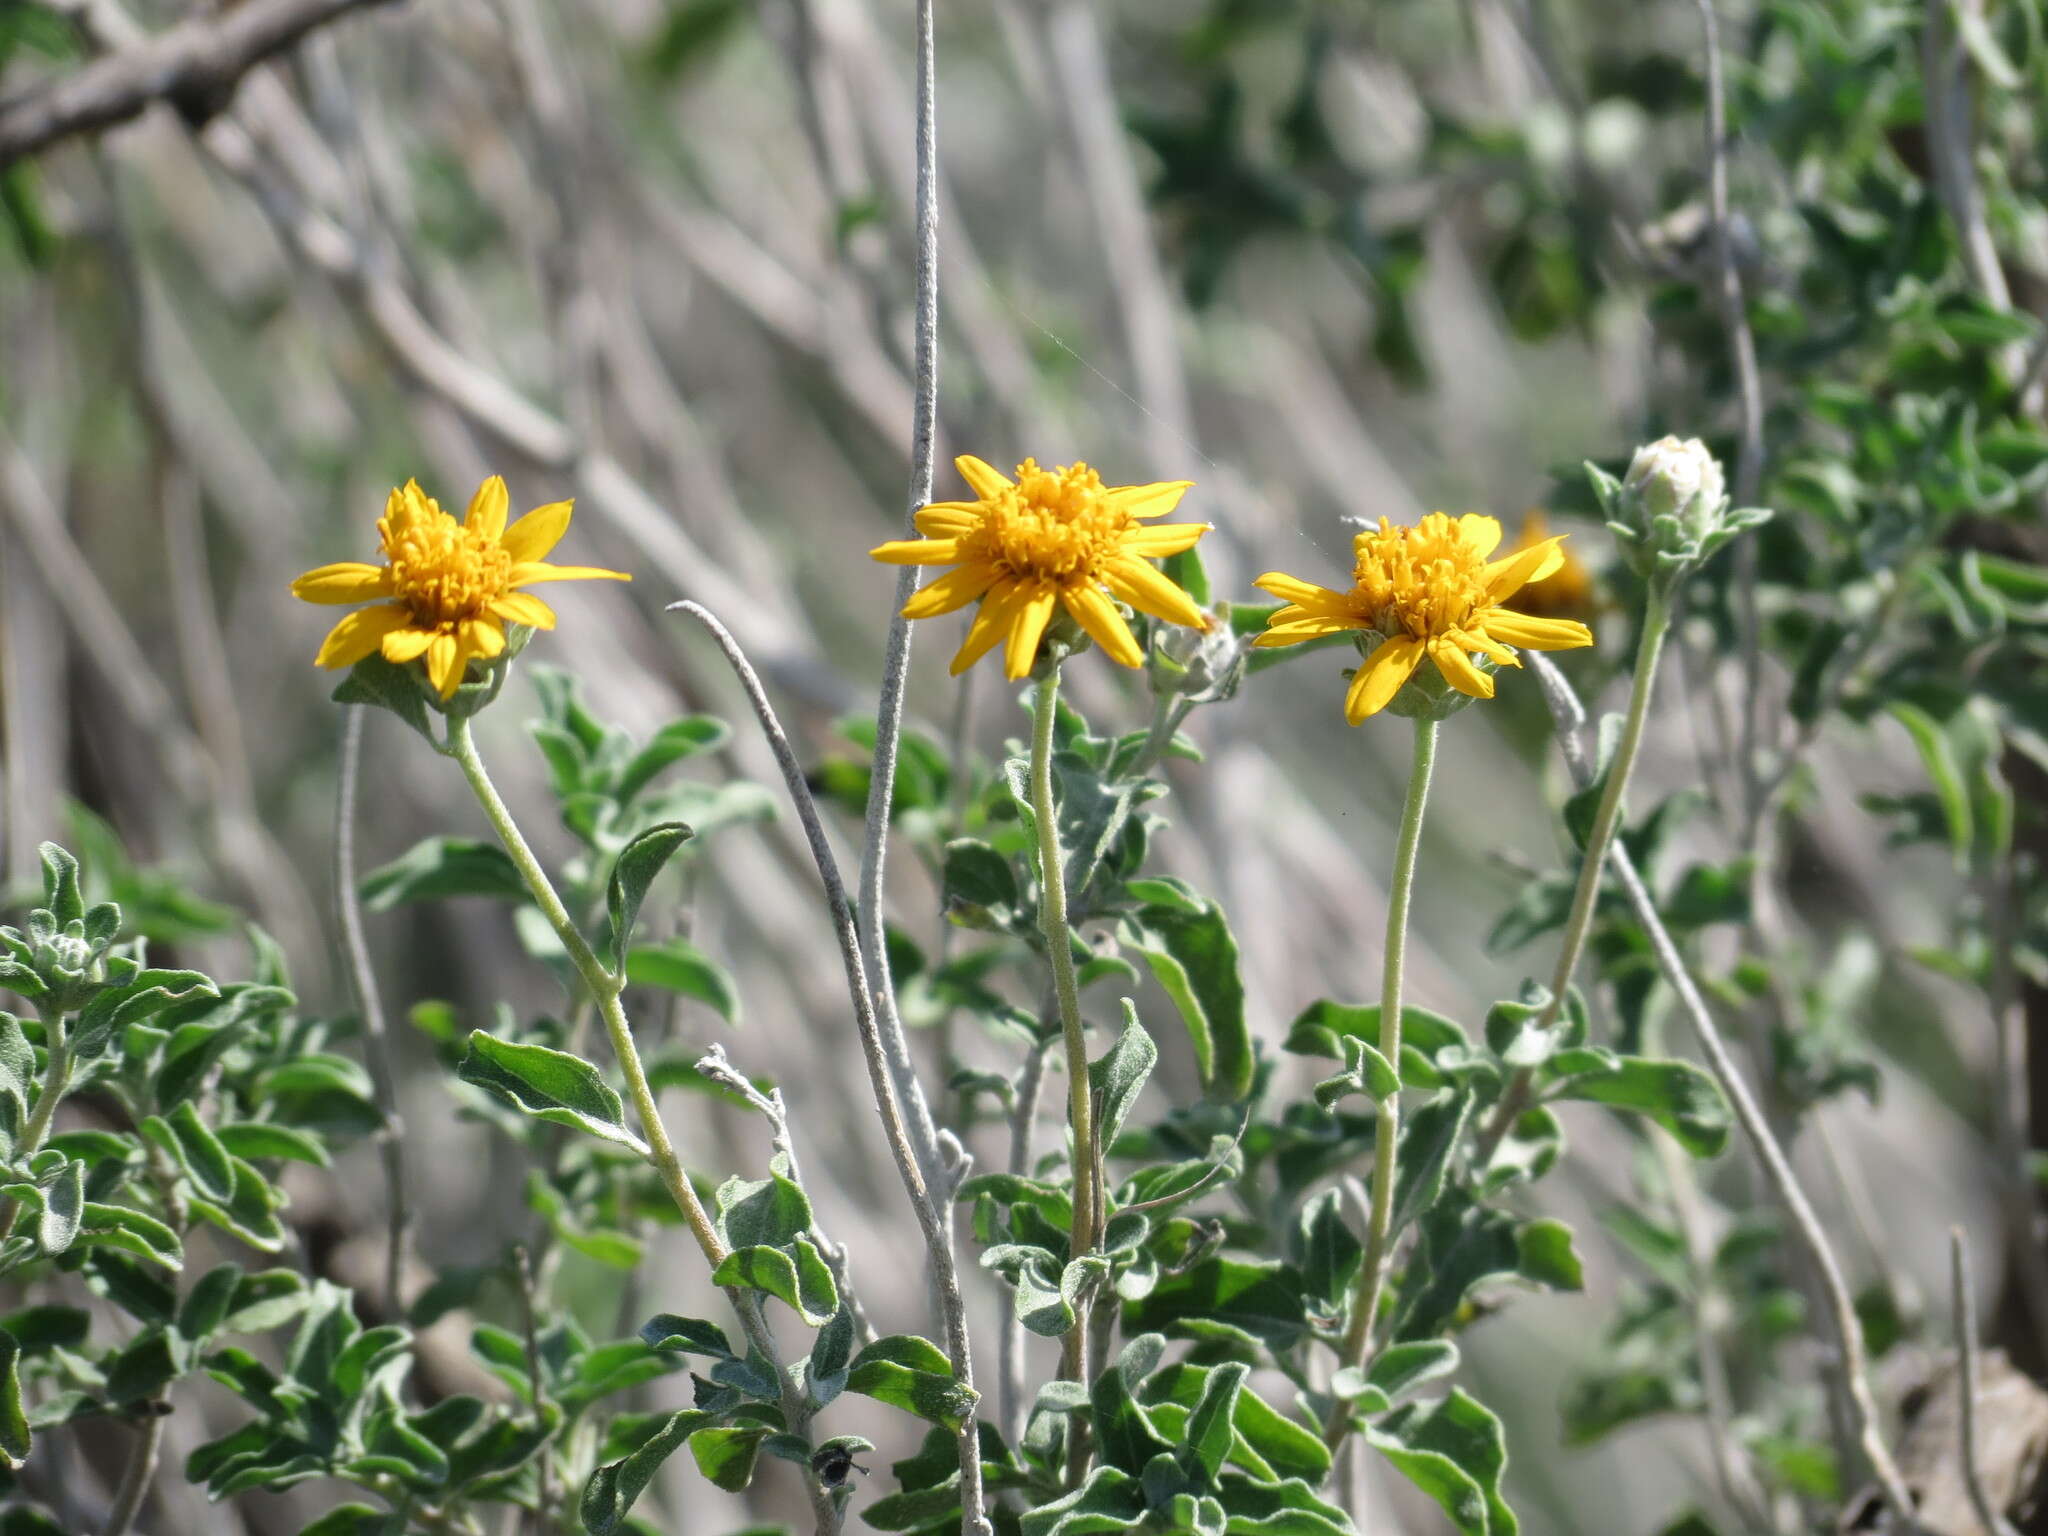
{"x": 978, "y": 889}
{"x": 1428, "y": 1141}
{"x": 726, "y": 1455}
{"x": 1547, "y": 1255}
{"x": 1124, "y": 1432}
{"x": 113, "y": 1226}
{"x": 549, "y": 1085}
{"x": 60, "y": 884}
{"x": 439, "y": 867}
{"x": 1453, "y": 1450}
{"x": 804, "y": 1281}
{"x": 252, "y": 1139}
{"x": 200, "y": 1152}
{"x": 14, "y": 1436}
{"x": 140, "y": 1372}
{"x": 1263, "y": 1299}
{"x": 612, "y": 1489}
{"x": 679, "y": 966}
{"x": 356, "y": 1520}
{"x": 773, "y": 1211}
{"x": 1118, "y": 1076}
{"x": 1194, "y": 957}
{"x": 386, "y": 685}
{"x": 63, "y": 1208}
{"x": 1108, "y": 1504}
{"x": 669, "y": 745}
{"x": 1330, "y": 1251}
{"x": 913, "y": 1374}
{"x": 1209, "y": 1432}
{"x": 638, "y": 863}
{"x": 1400, "y": 1368}
{"x": 691, "y": 1335}
{"x": 1676, "y": 1094}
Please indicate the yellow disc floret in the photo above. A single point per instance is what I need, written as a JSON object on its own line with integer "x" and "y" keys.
{"x": 447, "y": 589}
{"x": 1051, "y": 537}
{"x": 1429, "y": 590}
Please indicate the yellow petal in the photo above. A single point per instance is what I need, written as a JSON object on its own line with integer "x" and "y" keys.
{"x": 1478, "y": 640}
{"x": 445, "y": 662}
{"x": 1380, "y": 676}
{"x": 917, "y": 552}
{"x": 947, "y": 519}
{"x": 1146, "y": 589}
{"x": 360, "y": 633}
{"x": 482, "y": 637}
{"x": 1157, "y": 543}
{"x": 1537, "y": 634}
{"x": 1481, "y": 534}
{"x": 487, "y": 508}
{"x": 1292, "y": 589}
{"x": 1155, "y": 500}
{"x": 990, "y": 626}
{"x": 524, "y": 608}
{"x": 403, "y": 645}
{"x": 538, "y": 532}
{"x": 1096, "y": 614}
{"x": 1312, "y": 627}
{"x": 1522, "y": 567}
{"x": 1027, "y": 628}
{"x": 1456, "y": 666}
{"x": 527, "y": 572}
{"x": 349, "y": 581}
{"x": 988, "y": 481}
{"x": 956, "y": 589}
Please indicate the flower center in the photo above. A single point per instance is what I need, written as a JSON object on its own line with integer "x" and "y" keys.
{"x": 1425, "y": 581}
{"x": 1054, "y": 526}
{"x": 441, "y": 570}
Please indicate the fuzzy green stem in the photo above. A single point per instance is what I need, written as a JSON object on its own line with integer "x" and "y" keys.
{"x": 1606, "y": 819}
{"x": 56, "y": 1080}
{"x": 606, "y": 988}
{"x": 1052, "y": 918}
{"x": 1372, "y": 1269}
{"x": 136, "y": 1476}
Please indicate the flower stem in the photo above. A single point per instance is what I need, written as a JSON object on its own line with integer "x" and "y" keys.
{"x": 1372, "y": 1269}
{"x": 1052, "y": 918}
{"x": 137, "y": 1475}
{"x": 606, "y": 988}
{"x": 56, "y": 1080}
{"x": 603, "y": 985}
{"x": 1606, "y": 819}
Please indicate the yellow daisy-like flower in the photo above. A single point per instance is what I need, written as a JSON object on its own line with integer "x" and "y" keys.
{"x": 1430, "y": 591}
{"x": 1053, "y": 536}
{"x": 451, "y": 588}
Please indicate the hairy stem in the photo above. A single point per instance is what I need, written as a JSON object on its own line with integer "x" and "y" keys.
{"x": 927, "y": 1202}
{"x": 136, "y": 1476}
{"x": 370, "y": 1009}
{"x": 56, "y": 1080}
{"x": 1606, "y": 819}
{"x": 1568, "y": 715}
{"x": 1059, "y": 950}
{"x": 1372, "y": 1270}
{"x": 606, "y": 988}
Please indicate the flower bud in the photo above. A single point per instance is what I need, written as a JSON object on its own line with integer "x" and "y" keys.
{"x": 1677, "y": 478}
{"x": 1670, "y": 511}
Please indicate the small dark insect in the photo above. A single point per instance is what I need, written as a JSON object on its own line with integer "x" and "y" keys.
{"x": 833, "y": 1462}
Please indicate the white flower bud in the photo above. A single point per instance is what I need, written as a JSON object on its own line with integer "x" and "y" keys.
{"x": 1679, "y": 478}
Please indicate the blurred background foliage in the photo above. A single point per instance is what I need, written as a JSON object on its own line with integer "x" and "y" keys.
{"x": 1327, "y": 258}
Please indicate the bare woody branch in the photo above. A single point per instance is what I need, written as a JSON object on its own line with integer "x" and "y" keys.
{"x": 194, "y": 67}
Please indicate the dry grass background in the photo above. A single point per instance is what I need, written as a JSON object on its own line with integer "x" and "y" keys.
{"x": 455, "y": 237}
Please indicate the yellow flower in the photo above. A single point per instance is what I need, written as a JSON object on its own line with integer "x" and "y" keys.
{"x": 451, "y": 587}
{"x": 1054, "y": 536}
{"x": 1429, "y": 591}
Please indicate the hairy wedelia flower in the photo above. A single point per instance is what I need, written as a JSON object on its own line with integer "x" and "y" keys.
{"x": 1428, "y": 591}
{"x": 449, "y": 588}
{"x": 1054, "y": 537}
